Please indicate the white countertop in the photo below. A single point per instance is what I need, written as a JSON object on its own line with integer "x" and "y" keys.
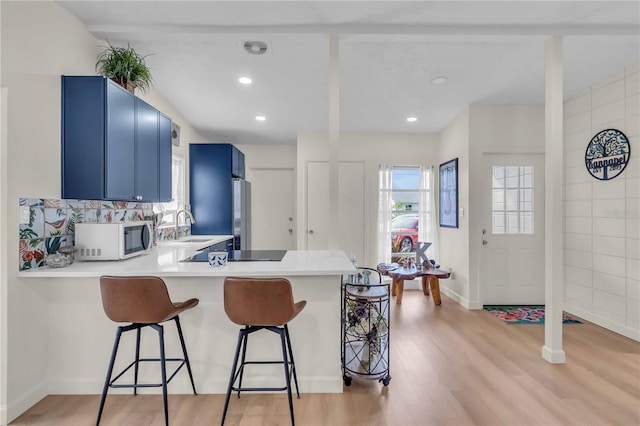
{"x": 164, "y": 260}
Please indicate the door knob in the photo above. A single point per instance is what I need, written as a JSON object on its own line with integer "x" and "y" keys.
{"x": 485, "y": 242}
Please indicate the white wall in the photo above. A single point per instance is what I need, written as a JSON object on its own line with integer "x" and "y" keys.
{"x": 267, "y": 156}
{"x": 373, "y": 150}
{"x": 40, "y": 42}
{"x": 507, "y": 129}
{"x": 602, "y": 236}
{"x": 478, "y": 130}
{"x": 454, "y": 243}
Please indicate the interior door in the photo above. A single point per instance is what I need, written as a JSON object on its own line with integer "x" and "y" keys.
{"x": 350, "y": 211}
{"x": 317, "y": 205}
{"x": 512, "y": 211}
{"x": 272, "y": 214}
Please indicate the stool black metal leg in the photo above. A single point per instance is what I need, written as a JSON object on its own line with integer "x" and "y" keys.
{"x": 287, "y": 378}
{"x": 135, "y": 368}
{"x": 163, "y": 369}
{"x": 293, "y": 363}
{"x": 109, "y": 373}
{"x": 233, "y": 375}
{"x": 184, "y": 352}
{"x": 245, "y": 341}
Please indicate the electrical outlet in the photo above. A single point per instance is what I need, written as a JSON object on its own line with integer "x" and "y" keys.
{"x": 452, "y": 276}
{"x": 23, "y": 215}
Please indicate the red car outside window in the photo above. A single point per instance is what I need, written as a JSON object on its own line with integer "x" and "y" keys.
{"x": 404, "y": 233}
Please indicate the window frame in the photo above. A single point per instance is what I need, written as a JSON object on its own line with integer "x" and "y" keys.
{"x": 178, "y": 191}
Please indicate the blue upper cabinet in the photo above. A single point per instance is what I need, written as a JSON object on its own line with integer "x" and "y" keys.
{"x": 237, "y": 162}
{"x": 212, "y": 168}
{"x": 114, "y": 145}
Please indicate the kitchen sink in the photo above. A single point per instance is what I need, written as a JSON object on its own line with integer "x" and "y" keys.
{"x": 189, "y": 240}
{"x": 193, "y": 240}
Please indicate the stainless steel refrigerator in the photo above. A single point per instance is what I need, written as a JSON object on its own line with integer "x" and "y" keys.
{"x": 241, "y": 214}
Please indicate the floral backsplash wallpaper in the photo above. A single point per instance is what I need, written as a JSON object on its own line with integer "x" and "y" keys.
{"x": 52, "y": 223}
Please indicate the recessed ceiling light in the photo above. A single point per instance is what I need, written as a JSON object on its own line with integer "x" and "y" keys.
{"x": 261, "y": 117}
{"x": 245, "y": 80}
{"x": 411, "y": 119}
{"x": 441, "y": 79}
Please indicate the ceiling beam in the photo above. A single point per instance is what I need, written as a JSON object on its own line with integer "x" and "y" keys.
{"x": 404, "y": 29}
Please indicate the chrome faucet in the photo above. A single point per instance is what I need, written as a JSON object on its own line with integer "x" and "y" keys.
{"x": 176, "y": 235}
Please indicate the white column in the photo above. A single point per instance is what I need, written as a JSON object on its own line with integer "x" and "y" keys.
{"x": 554, "y": 202}
{"x": 334, "y": 138}
{"x": 4, "y": 263}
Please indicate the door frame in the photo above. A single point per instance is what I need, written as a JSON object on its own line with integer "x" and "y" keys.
{"x": 475, "y": 236}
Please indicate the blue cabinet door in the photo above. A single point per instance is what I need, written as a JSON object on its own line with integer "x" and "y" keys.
{"x": 120, "y": 144}
{"x": 147, "y": 152}
{"x": 210, "y": 189}
{"x": 165, "y": 158}
{"x": 83, "y": 137}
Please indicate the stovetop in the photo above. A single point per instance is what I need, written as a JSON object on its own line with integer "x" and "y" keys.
{"x": 242, "y": 256}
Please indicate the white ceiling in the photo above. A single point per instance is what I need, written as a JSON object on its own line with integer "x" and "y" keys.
{"x": 491, "y": 52}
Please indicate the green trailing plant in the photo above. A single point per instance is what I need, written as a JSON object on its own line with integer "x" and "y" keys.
{"x": 123, "y": 65}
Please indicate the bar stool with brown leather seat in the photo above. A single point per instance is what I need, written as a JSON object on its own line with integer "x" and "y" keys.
{"x": 257, "y": 304}
{"x": 143, "y": 302}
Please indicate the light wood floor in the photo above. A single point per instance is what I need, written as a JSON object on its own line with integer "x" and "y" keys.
{"x": 449, "y": 366}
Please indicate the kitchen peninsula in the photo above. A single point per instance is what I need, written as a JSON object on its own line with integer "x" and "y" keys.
{"x": 80, "y": 335}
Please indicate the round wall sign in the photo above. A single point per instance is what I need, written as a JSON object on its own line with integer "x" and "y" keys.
{"x": 607, "y": 154}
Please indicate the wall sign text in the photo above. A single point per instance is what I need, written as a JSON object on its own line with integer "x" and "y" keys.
{"x": 607, "y": 154}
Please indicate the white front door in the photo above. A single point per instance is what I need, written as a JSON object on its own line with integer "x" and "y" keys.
{"x": 350, "y": 211}
{"x": 512, "y": 211}
{"x": 273, "y": 204}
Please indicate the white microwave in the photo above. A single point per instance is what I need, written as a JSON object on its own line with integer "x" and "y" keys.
{"x": 112, "y": 241}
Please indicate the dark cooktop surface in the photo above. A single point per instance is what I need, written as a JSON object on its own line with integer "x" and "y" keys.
{"x": 242, "y": 256}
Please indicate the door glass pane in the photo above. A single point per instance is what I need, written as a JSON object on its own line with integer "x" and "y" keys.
{"x": 512, "y": 199}
{"x": 526, "y": 226}
{"x": 512, "y": 177}
{"x": 498, "y": 177}
{"x": 498, "y": 223}
{"x": 512, "y": 223}
{"x": 498, "y": 199}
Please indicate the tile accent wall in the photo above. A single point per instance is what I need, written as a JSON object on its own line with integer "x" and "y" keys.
{"x": 602, "y": 228}
{"x": 52, "y": 223}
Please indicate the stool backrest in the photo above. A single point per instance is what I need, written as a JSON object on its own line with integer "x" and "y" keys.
{"x": 259, "y": 301}
{"x": 142, "y": 300}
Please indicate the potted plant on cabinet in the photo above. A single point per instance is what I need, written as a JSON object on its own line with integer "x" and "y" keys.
{"x": 124, "y": 66}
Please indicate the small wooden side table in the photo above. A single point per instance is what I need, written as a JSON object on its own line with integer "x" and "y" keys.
{"x": 430, "y": 279}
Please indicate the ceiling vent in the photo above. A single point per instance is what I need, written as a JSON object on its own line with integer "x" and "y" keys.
{"x": 255, "y": 47}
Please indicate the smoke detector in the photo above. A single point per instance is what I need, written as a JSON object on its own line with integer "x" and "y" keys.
{"x": 255, "y": 47}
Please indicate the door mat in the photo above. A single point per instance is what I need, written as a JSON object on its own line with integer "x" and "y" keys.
{"x": 525, "y": 314}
